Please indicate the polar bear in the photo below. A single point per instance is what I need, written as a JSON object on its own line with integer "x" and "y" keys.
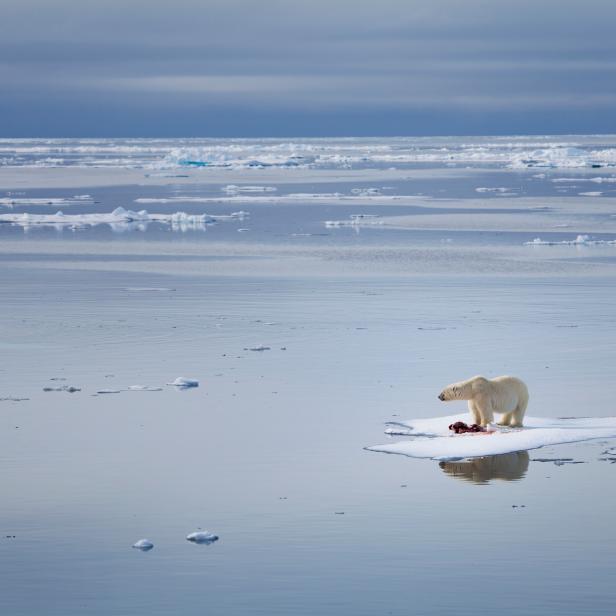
{"x": 503, "y": 394}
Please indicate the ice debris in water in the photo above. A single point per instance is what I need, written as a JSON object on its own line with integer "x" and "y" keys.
{"x": 184, "y": 383}
{"x": 258, "y": 348}
{"x": 145, "y": 545}
{"x": 69, "y": 388}
{"x": 202, "y": 537}
{"x": 580, "y": 240}
{"x": 108, "y": 391}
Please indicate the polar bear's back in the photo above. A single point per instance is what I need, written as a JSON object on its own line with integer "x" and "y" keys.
{"x": 507, "y": 392}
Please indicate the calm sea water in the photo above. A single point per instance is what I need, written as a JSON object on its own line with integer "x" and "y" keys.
{"x": 267, "y": 452}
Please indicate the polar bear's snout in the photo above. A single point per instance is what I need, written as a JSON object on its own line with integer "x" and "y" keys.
{"x": 441, "y": 396}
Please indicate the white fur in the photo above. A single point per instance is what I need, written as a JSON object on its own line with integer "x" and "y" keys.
{"x": 504, "y": 394}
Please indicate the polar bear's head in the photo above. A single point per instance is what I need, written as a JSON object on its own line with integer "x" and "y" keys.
{"x": 459, "y": 391}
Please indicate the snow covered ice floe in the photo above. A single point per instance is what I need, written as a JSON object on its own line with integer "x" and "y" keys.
{"x": 431, "y": 437}
{"x": 202, "y": 537}
{"x": 145, "y": 545}
{"x": 184, "y": 383}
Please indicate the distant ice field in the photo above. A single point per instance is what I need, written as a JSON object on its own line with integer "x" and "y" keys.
{"x": 176, "y": 154}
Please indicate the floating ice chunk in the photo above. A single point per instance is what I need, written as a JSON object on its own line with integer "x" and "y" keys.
{"x": 591, "y": 193}
{"x": 13, "y": 399}
{"x": 143, "y": 388}
{"x": 483, "y": 189}
{"x": 257, "y": 348}
{"x": 202, "y": 537}
{"x": 184, "y": 383}
{"x": 108, "y": 391}
{"x": 580, "y": 240}
{"x": 431, "y": 437}
{"x": 145, "y": 545}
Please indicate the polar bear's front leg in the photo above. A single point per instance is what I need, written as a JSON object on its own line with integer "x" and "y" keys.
{"x": 475, "y": 414}
{"x": 484, "y": 410}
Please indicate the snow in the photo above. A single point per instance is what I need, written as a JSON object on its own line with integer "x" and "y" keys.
{"x": 144, "y": 545}
{"x": 591, "y": 193}
{"x": 184, "y": 383}
{"x": 431, "y": 437}
{"x": 202, "y": 537}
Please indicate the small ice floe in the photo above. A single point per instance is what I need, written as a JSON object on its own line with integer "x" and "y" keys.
{"x": 232, "y": 189}
{"x": 55, "y": 201}
{"x": 13, "y": 399}
{"x": 500, "y": 189}
{"x": 580, "y": 240}
{"x": 184, "y": 383}
{"x": 366, "y": 192}
{"x": 202, "y": 537}
{"x": 145, "y": 545}
{"x": 143, "y": 388}
{"x": 591, "y": 193}
{"x": 69, "y": 388}
{"x": 258, "y": 348}
{"x": 108, "y": 391}
{"x": 356, "y": 220}
{"x": 242, "y": 230}
{"x": 431, "y": 438}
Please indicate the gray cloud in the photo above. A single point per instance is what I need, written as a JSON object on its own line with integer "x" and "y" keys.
{"x": 306, "y": 60}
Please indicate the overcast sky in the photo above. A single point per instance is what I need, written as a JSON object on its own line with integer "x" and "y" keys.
{"x": 311, "y": 68}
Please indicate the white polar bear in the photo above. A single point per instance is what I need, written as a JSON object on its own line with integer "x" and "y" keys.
{"x": 504, "y": 394}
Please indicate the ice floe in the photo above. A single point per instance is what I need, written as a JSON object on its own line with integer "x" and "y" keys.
{"x": 184, "y": 383}
{"x": 580, "y": 240}
{"x": 119, "y": 217}
{"x": 431, "y": 437}
{"x": 356, "y": 220}
{"x": 145, "y": 545}
{"x": 202, "y": 537}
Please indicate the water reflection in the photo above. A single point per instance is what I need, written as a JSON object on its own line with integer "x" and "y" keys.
{"x": 507, "y": 467}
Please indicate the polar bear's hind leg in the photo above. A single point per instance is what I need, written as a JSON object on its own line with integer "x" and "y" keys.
{"x": 506, "y": 419}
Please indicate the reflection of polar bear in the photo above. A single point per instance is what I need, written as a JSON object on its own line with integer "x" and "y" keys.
{"x": 507, "y": 466}
{"x": 504, "y": 394}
